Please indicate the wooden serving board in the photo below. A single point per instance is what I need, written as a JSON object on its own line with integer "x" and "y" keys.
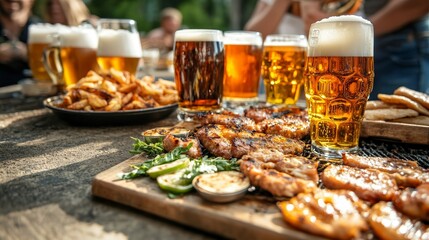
{"x": 403, "y": 132}
{"x": 248, "y": 218}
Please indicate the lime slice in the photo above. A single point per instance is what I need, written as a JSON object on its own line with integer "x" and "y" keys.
{"x": 156, "y": 171}
{"x": 171, "y": 183}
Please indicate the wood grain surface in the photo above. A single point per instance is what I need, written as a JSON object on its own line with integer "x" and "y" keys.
{"x": 402, "y": 132}
{"x": 249, "y": 218}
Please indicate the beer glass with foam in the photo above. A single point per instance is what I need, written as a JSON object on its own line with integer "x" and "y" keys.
{"x": 119, "y": 45}
{"x": 39, "y": 38}
{"x": 283, "y": 66}
{"x": 340, "y": 72}
{"x": 73, "y": 53}
{"x": 198, "y": 71}
{"x": 243, "y": 57}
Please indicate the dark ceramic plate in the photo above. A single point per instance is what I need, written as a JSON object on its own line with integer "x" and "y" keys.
{"x": 79, "y": 117}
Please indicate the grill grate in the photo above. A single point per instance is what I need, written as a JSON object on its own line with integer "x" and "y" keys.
{"x": 379, "y": 148}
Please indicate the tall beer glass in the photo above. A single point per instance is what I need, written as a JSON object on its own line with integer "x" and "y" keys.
{"x": 198, "y": 71}
{"x": 119, "y": 45}
{"x": 39, "y": 38}
{"x": 243, "y": 57}
{"x": 74, "y": 53}
{"x": 283, "y": 66}
{"x": 340, "y": 71}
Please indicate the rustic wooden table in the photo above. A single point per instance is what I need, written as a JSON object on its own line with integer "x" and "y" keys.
{"x": 46, "y": 169}
{"x": 47, "y": 166}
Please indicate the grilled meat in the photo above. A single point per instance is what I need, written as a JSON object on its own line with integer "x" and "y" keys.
{"x": 170, "y": 142}
{"x": 334, "y": 214}
{"x": 292, "y": 127}
{"x": 406, "y": 173}
{"x": 414, "y": 202}
{"x": 368, "y": 184}
{"x": 387, "y": 223}
{"x": 233, "y": 121}
{"x": 296, "y": 166}
{"x": 260, "y": 113}
{"x": 277, "y": 183}
{"x": 220, "y": 140}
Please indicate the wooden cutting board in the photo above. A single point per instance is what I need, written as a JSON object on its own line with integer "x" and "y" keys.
{"x": 248, "y": 218}
{"x": 403, "y": 132}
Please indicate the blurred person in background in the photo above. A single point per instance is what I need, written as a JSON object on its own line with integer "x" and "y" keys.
{"x": 163, "y": 37}
{"x": 15, "y": 18}
{"x": 68, "y": 12}
{"x": 401, "y": 46}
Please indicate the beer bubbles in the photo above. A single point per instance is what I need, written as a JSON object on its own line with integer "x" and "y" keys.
{"x": 340, "y": 76}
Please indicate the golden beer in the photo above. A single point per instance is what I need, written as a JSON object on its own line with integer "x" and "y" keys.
{"x": 128, "y": 64}
{"x": 35, "y": 60}
{"x": 72, "y": 55}
{"x": 198, "y": 71}
{"x": 340, "y": 76}
{"x": 283, "y": 66}
{"x": 77, "y": 62}
{"x": 243, "y": 57}
{"x": 119, "y": 45}
{"x": 39, "y": 38}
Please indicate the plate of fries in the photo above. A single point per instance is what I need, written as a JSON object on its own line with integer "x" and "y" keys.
{"x": 115, "y": 97}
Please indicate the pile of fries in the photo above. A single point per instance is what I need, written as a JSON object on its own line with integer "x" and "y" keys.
{"x": 116, "y": 90}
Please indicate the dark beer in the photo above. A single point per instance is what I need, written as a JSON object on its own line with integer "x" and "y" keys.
{"x": 199, "y": 69}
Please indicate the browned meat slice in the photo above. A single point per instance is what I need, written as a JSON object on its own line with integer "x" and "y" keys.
{"x": 170, "y": 142}
{"x": 277, "y": 183}
{"x": 296, "y": 166}
{"x": 220, "y": 140}
{"x": 406, "y": 173}
{"x": 236, "y": 122}
{"x": 414, "y": 202}
{"x": 293, "y": 127}
{"x": 387, "y": 223}
{"x": 335, "y": 214}
{"x": 368, "y": 184}
{"x": 260, "y": 113}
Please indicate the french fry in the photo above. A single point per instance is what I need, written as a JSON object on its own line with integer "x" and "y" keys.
{"x": 114, "y": 90}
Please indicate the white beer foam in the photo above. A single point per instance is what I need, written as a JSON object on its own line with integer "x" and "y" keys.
{"x": 242, "y": 38}
{"x": 118, "y": 43}
{"x": 42, "y": 32}
{"x": 346, "y": 35}
{"x": 198, "y": 35}
{"x": 81, "y": 37}
{"x": 286, "y": 40}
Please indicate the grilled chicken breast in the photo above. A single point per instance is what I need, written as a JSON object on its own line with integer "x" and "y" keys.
{"x": 170, "y": 142}
{"x": 336, "y": 214}
{"x": 414, "y": 202}
{"x": 387, "y": 223}
{"x": 220, "y": 140}
{"x": 406, "y": 173}
{"x": 368, "y": 184}
{"x": 296, "y": 166}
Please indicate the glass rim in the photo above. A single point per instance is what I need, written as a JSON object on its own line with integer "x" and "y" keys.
{"x": 298, "y": 40}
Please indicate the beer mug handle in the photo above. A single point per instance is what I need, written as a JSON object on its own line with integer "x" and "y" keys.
{"x": 51, "y": 55}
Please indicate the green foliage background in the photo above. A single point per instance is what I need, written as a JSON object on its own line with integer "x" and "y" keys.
{"x": 213, "y": 14}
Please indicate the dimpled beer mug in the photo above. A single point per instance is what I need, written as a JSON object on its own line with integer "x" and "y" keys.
{"x": 243, "y": 57}
{"x": 39, "y": 38}
{"x": 198, "y": 71}
{"x": 340, "y": 72}
{"x": 119, "y": 45}
{"x": 283, "y": 66}
{"x": 72, "y": 54}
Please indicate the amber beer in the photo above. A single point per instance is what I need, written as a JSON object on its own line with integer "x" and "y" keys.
{"x": 283, "y": 66}
{"x": 340, "y": 71}
{"x": 118, "y": 48}
{"x": 198, "y": 71}
{"x": 39, "y": 38}
{"x": 243, "y": 57}
{"x": 76, "y": 54}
